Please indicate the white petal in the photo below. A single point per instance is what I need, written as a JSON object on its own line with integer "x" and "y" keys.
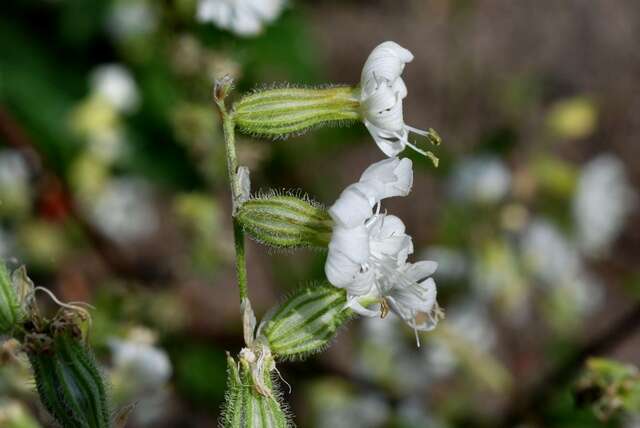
{"x": 420, "y": 270}
{"x": 356, "y": 307}
{"x": 354, "y": 242}
{"x": 352, "y": 208}
{"x": 390, "y": 143}
{"x": 383, "y": 108}
{"x": 389, "y": 226}
{"x": 362, "y": 284}
{"x": 340, "y": 269}
{"x": 381, "y": 171}
{"x": 386, "y": 61}
{"x": 389, "y": 178}
{"x": 404, "y": 178}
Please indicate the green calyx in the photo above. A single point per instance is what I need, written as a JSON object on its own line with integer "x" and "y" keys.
{"x": 306, "y": 322}
{"x": 15, "y": 293}
{"x": 285, "y": 221}
{"x": 67, "y": 378}
{"x": 250, "y": 400}
{"x": 280, "y": 112}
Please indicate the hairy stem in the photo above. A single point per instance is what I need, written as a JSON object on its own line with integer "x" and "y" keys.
{"x": 232, "y": 168}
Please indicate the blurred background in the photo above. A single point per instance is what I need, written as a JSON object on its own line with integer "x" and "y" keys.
{"x": 113, "y": 191}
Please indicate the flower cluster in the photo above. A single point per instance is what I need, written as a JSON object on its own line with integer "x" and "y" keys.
{"x": 368, "y": 251}
{"x": 367, "y": 268}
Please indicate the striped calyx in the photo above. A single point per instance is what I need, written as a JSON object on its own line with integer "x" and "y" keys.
{"x": 286, "y": 221}
{"x": 67, "y": 378}
{"x": 15, "y": 293}
{"x": 306, "y": 321}
{"x": 280, "y": 112}
{"x": 250, "y": 400}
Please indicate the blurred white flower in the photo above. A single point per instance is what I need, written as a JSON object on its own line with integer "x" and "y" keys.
{"x": 412, "y": 413}
{"x": 142, "y": 364}
{"x": 6, "y": 243}
{"x": 496, "y": 275}
{"x": 368, "y": 411}
{"x": 468, "y": 321}
{"x": 15, "y": 193}
{"x": 382, "y": 91}
{"x": 242, "y": 17}
{"x": 602, "y": 203}
{"x": 131, "y": 18}
{"x": 140, "y": 373}
{"x": 556, "y": 262}
{"x": 631, "y": 421}
{"x": 114, "y": 84}
{"x": 14, "y": 172}
{"x": 481, "y": 179}
{"x": 124, "y": 210}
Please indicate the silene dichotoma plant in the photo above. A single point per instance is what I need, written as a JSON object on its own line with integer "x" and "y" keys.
{"x": 367, "y": 268}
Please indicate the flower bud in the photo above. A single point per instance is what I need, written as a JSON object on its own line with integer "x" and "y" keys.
{"x": 285, "y": 221}
{"x": 250, "y": 401}
{"x": 15, "y": 293}
{"x": 306, "y": 322}
{"x": 68, "y": 381}
{"x": 278, "y": 113}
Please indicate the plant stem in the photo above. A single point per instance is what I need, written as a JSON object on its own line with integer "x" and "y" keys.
{"x": 228, "y": 125}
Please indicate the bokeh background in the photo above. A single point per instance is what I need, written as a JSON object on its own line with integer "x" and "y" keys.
{"x": 113, "y": 191}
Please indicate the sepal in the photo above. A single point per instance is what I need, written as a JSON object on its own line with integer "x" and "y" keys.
{"x": 280, "y": 112}
{"x": 306, "y": 322}
{"x": 285, "y": 221}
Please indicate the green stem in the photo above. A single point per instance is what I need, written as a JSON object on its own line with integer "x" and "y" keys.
{"x": 232, "y": 167}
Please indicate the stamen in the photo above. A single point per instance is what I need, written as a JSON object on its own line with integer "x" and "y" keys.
{"x": 430, "y": 134}
{"x": 384, "y": 308}
{"x": 422, "y": 152}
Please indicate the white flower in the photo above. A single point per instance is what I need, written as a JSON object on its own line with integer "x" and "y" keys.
{"x": 382, "y": 91}
{"x": 124, "y": 210}
{"x": 481, "y": 179}
{"x": 602, "y": 203}
{"x": 368, "y": 251}
{"x": 114, "y": 84}
{"x": 142, "y": 364}
{"x": 131, "y": 18}
{"x": 243, "y": 17}
{"x": 556, "y": 263}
